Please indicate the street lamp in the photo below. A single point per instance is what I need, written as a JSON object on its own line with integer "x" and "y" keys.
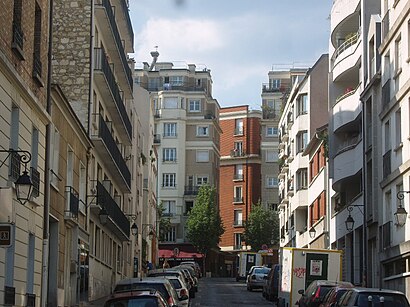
{"x": 401, "y": 213}
{"x": 349, "y": 220}
{"x": 312, "y": 232}
{"x": 23, "y": 184}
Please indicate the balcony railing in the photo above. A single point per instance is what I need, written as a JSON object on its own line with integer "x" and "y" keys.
{"x": 73, "y": 202}
{"x": 238, "y": 223}
{"x": 105, "y": 200}
{"x": 157, "y": 139}
{"x": 346, "y": 44}
{"x": 238, "y": 177}
{"x": 35, "y": 179}
{"x": 238, "y": 199}
{"x": 239, "y": 131}
{"x": 386, "y": 164}
{"x": 128, "y": 19}
{"x": 111, "y": 17}
{"x": 349, "y": 144}
{"x": 18, "y": 41}
{"x": 101, "y": 64}
{"x": 105, "y": 134}
{"x": 183, "y": 86}
{"x": 386, "y": 235}
{"x": 270, "y": 88}
{"x": 191, "y": 190}
{"x": 37, "y": 65}
{"x": 237, "y": 153}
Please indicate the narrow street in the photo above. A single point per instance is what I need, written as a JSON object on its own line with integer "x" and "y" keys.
{"x": 226, "y": 292}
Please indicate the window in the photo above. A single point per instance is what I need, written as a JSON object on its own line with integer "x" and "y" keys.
{"x": 170, "y": 129}
{"x": 238, "y": 148}
{"x": 37, "y": 65}
{"x": 170, "y": 236}
{"x": 302, "y": 104}
{"x": 387, "y": 207}
{"x": 188, "y": 207}
{"x": 169, "y": 207}
{"x": 301, "y": 141}
{"x": 202, "y": 155}
{"x": 237, "y": 220}
{"x": 238, "y": 127}
{"x": 18, "y": 35}
{"x": 271, "y": 131}
{"x": 170, "y": 102}
{"x": 238, "y": 194}
{"x": 55, "y": 157}
{"x": 397, "y": 55}
{"x": 274, "y": 83}
{"x": 202, "y": 130}
{"x": 169, "y": 180}
{"x": 238, "y": 241}
{"x": 176, "y": 80}
{"x": 271, "y": 182}
{"x": 271, "y": 156}
{"x": 194, "y": 106}
{"x": 238, "y": 172}
{"x": 387, "y": 145}
{"x": 201, "y": 180}
{"x": 302, "y": 179}
{"x": 169, "y": 154}
{"x": 398, "y": 140}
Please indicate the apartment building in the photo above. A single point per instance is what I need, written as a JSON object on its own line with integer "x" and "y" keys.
{"x": 304, "y": 112}
{"x": 392, "y": 145}
{"x": 90, "y": 64}
{"x": 68, "y": 247}
{"x": 354, "y": 165}
{"x": 240, "y": 173}
{"x": 23, "y": 121}
{"x": 186, "y": 138}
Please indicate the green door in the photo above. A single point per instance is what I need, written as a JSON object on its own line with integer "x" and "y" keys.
{"x": 316, "y": 267}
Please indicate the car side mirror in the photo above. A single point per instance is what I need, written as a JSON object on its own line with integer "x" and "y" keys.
{"x": 302, "y": 292}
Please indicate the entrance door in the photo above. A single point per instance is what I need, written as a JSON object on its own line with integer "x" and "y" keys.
{"x": 316, "y": 267}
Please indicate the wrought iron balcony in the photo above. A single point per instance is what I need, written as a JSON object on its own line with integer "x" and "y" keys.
{"x": 386, "y": 164}
{"x": 35, "y": 179}
{"x": 124, "y": 6}
{"x": 191, "y": 190}
{"x": 111, "y": 89}
{"x": 72, "y": 207}
{"x": 238, "y": 199}
{"x": 238, "y": 223}
{"x": 238, "y": 177}
{"x": 237, "y": 153}
{"x": 117, "y": 38}
{"x": 18, "y": 41}
{"x": 107, "y": 146}
{"x": 117, "y": 221}
{"x": 157, "y": 139}
{"x": 238, "y": 131}
{"x": 386, "y": 94}
{"x": 270, "y": 88}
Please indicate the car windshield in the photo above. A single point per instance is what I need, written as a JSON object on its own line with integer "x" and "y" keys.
{"x": 133, "y": 302}
{"x": 261, "y": 271}
{"x": 143, "y": 285}
{"x": 390, "y": 300}
{"x": 176, "y": 283}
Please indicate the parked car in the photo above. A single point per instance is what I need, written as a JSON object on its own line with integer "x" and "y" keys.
{"x": 195, "y": 265}
{"x": 163, "y": 285}
{"x": 360, "y": 297}
{"x": 184, "y": 274}
{"x": 149, "y": 298}
{"x": 271, "y": 284}
{"x": 189, "y": 279}
{"x": 255, "y": 278}
{"x": 192, "y": 272}
{"x": 333, "y": 296}
{"x": 316, "y": 291}
{"x": 181, "y": 288}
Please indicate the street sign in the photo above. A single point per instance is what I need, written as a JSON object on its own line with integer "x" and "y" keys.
{"x": 5, "y": 235}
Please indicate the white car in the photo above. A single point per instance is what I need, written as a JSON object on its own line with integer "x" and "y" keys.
{"x": 255, "y": 278}
{"x": 181, "y": 288}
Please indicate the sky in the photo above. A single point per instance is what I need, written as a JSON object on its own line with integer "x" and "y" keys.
{"x": 240, "y": 41}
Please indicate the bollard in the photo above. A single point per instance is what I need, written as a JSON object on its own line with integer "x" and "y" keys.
{"x": 369, "y": 301}
{"x": 382, "y": 301}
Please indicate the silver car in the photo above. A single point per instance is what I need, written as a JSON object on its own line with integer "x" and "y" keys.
{"x": 255, "y": 278}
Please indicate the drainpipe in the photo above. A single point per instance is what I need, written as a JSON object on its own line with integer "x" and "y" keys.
{"x": 46, "y": 211}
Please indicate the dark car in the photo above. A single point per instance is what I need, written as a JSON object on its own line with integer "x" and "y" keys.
{"x": 333, "y": 296}
{"x": 360, "y": 297}
{"x": 271, "y": 284}
{"x": 148, "y": 298}
{"x": 314, "y": 294}
{"x": 163, "y": 285}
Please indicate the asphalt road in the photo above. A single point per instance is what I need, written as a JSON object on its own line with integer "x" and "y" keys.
{"x": 226, "y": 292}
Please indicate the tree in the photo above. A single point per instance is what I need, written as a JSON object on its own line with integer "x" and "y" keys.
{"x": 204, "y": 224}
{"x": 164, "y": 223}
{"x": 261, "y": 228}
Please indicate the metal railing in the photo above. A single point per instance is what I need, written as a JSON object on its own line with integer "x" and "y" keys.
{"x": 238, "y": 176}
{"x": 37, "y": 65}
{"x": 128, "y": 19}
{"x": 157, "y": 139}
{"x": 18, "y": 36}
{"x": 237, "y": 153}
{"x": 191, "y": 190}
{"x": 387, "y": 164}
{"x": 386, "y": 24}
{"x": 117, "y": 38}
{"x": 105, "y": 134}
{"x": 346, "y": 44}
{"x": 101, "y": 64}
{"x": 238, "y": 199}
{"x": 386, "y": 94}
{"x": 35, "y": 179}
{"x": 238, "y": 131}
{"x": 105, "y": 200}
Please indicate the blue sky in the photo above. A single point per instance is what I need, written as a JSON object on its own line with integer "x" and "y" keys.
{"x": 238, "y": 40}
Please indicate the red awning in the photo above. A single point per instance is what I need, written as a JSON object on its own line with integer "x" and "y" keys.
{"x": 167, "y": 253}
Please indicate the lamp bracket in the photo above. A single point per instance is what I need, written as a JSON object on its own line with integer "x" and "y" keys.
{"x": 23, "y": 155}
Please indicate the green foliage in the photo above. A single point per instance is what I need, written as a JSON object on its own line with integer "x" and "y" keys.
{"x": 262, "y": 227}
{"x": 204, "y": 224}
{"x": 164, "y": 224}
